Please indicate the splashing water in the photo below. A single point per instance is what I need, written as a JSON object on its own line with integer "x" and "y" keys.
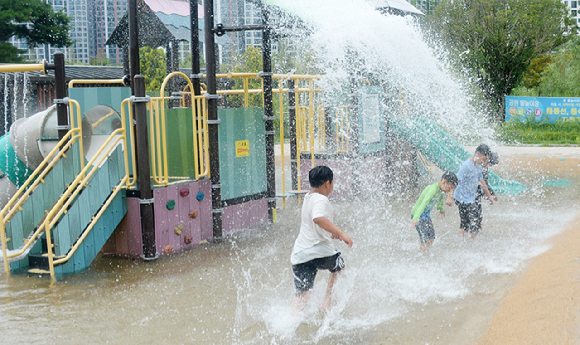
{"x": 239, "y": 291}
{"x": 350, "y": 37}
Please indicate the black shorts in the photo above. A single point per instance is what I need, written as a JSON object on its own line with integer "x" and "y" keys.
{"x": 305, "y": 272}
{"x": 470, "y": 215}
{"x": 425, "y": 229}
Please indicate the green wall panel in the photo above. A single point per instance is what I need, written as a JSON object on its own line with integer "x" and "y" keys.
{"x": 180, "y": 154}
{"x": 242, "y": 175}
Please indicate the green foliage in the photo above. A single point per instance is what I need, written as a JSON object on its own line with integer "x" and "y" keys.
{"x": 533, "y": 74}
{"x": 495, "y": 40}
{"x": 546, "y": 133}
{"x": 562, "y": 77}
{"x": 153, "y": 67}
{"x": 554, "y": 75}
{"x": 33, "y": 20}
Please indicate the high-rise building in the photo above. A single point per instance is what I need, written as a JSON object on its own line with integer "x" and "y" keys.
{"x": 106, "y": 14}
{"x": 79, "y": 11}
{"x": 425, "y": 6}
{"x": 574, "y": 9}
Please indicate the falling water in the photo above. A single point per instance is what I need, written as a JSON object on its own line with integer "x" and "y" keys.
{"x": 351, "y": 38}
{"x": 25, "y": 100}
{"x": 239, "y": 291}
{"x": 6, "y": 102}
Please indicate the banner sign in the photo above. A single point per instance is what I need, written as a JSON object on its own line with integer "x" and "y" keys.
{"x": 542, "y": 108}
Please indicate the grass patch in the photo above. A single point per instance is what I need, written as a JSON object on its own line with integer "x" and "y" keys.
{"x": 543, "y": 133}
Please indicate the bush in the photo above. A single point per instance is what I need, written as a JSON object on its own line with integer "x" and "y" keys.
{"x": 560, "y": 132}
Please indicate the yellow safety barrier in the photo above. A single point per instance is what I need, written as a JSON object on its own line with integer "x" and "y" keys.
{"x": 158, "y": 136}
{"x": 37, "y": 177}
{"x": 310, "y": 121}
{"x": 342, "y": 129}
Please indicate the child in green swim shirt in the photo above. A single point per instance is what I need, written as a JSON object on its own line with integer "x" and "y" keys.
{"x": 421, "y": 213}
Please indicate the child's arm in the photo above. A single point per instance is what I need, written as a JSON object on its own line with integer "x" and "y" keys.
{"x": 486, "y": 190}
{"x": 440, "y": 206}
{"x": 449, "y": 200}
{"x": 327, "y": 225}
{"x": 491, "y": 190}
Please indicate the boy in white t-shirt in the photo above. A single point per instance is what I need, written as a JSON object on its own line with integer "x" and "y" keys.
{"x": 313, "y": 249}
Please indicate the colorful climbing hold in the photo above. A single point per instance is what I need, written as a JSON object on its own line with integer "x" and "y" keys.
{"x": 178, "y": 229}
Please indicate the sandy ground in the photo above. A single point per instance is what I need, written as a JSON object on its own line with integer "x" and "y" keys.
{"x": 544, "y": 307}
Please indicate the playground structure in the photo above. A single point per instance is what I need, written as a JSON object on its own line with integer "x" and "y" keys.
{"x": 46, "y": 230}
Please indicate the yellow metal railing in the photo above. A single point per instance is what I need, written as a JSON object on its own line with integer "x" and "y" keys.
{"x": 73, "y": 191}
{"x": 158, "y": 133}
{"x": 37, "y": 177}
{"x": 37, "y": 67}
{"x": 310, "y": 118}
{"x": 129, "y": 143}
{"x": 342, "y": 129}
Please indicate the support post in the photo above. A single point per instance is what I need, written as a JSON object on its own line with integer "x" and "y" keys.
{"x": 126, "y": 69}
{"x": 133, "y": 42}
{"x": 212, "y": 106}
{"x": 292, "y": 124}
{"x": 269, "y": 118}
{"x": 143, "y": 169}
{"x": 61, "y": 94}
{"x": 194, "y": 25}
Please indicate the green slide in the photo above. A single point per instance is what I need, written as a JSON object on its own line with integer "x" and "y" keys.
{"x": 443, "y": 150}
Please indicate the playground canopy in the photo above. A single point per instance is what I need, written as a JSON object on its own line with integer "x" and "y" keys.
{"x": 395, "y": 6}
{"x": 160, "y": 22}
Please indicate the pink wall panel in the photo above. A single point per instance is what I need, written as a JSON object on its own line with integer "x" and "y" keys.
{"x": 127, "y": 239}
{"x": 194, "y": 225}
{"x": 166, "y": 220}
{"x": 161, "y": 227}
{"x": 173, "y": 217}
{"x": 244, "y": 216}
{"x": 205, "y": 213}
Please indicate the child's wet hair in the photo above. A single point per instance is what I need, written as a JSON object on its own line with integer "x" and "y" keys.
{"x": 450, "y": 177}
{"x": 494, "y": 158}
{"x": 484, "y": 150}
{"x": 318, "y": 175}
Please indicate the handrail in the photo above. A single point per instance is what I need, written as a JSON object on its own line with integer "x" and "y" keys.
{"x": 35, "y": 67}
{"x": 75, "y": 188}
{"x": 132, "y": 181}
{"x": 342, "y": 144}
{"x": 37, "y": 177}
{"x": 321, "y": 127}
{"x": 94, "y": 220}
{"x": 95, "y": 81}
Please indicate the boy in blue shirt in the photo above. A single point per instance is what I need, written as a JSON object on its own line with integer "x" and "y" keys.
{"x": 421, "y": 213}
{"x": 470, "y": 176}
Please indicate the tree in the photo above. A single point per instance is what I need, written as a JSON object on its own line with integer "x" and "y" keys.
{"x": 562, "y": 78}
{"x": 495, "y": 40}
{"x": 33, "y": 20}
{"x": 153, "y": 67}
